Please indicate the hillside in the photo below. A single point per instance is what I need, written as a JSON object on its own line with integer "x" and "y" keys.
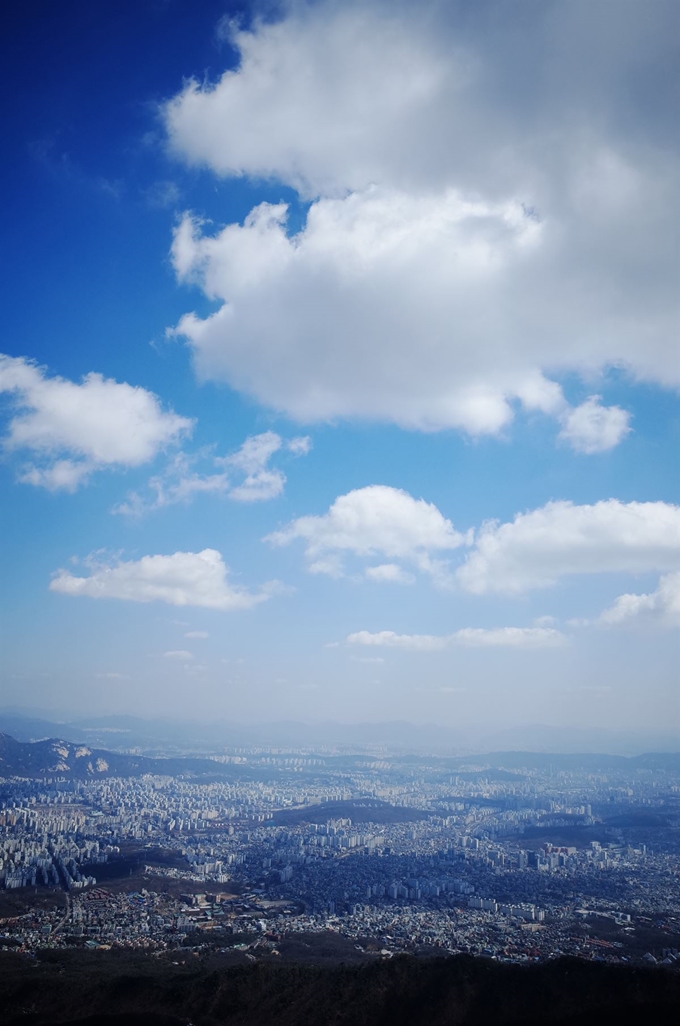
{"x": 113, "y": 987}
{"x": 55, "y": 757}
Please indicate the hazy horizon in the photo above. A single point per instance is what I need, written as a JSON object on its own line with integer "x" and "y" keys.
{"x": 162, "y": 735}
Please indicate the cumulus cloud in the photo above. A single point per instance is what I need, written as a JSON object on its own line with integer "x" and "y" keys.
{"x": 661, "y": 607}
{"x": 389, "y": 572}
{"x": 376, "y": 520}
{"x": 591, "y": 428}
{"x": 471, "y": 637}
{"x": 480, "y": 222}
{"x": 73, "y": 429}
{"x": 344, "y": 95}
{"x": 243, "y": 476}
{"x": 181, "y": 579}
{"x": 539, "y": 547}
{"x": 388, "y": 639}
{"x": 534, "y": 550}
{"x": 318, "y": 87}
{"x": 324, "y": 324}
{"x": 181, "y": 655}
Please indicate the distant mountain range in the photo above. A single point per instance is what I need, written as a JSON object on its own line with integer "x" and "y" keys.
{"x": 55, "y": 757}
{"x": 167, "y": 737}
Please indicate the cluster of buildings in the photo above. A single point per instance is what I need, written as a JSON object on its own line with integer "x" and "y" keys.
{"x": 46, "y": 845}
{"x": 394, "y": 854}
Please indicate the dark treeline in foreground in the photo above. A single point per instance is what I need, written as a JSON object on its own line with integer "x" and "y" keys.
{"x": 118, "y": 988}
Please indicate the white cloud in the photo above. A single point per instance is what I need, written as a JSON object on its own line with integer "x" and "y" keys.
{"x": 331, "y": 565}
{"x": 261, "y": 481}
{"x": 388, "y": 639}
{"x": 181, "y": 655}
{"x": 389, "y": 573}
{"x": 559, "y": 539}
{"x": 196, "y": 634}
{"x": 256, "y": 481}
{"x": 62, "y": 475}
{"x": 661, "y": 606}
{"x": 299, "y": 446}
{"x": 255, "y": 452}
{"x": 482, "y": 220}
{"x": 578, "y": 621}
{"x": 591, "y": 428}
{"x": 376, "y": 520}
{"x": 74, "y": 429}
{"x": 534, "y": 550}
{"x": 325, "y": 97}
{"x": 181, "y": 579}
{"x": 323, "y": 324}
{"x": 471, "y": 637}
{"x": 177, "y": 483}
{"x": 509, "y": 637}
{"x": 265, "y": 484}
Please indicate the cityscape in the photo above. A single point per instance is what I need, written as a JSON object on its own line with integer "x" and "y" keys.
{"x": 518, "y": 857}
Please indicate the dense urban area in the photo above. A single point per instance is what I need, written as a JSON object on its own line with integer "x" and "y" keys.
{"x": 518, "y": 857}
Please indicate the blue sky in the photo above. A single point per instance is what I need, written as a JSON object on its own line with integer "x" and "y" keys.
{"x": 341, "y": 366}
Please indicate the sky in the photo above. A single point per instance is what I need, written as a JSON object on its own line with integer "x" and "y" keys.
{"x": 339, "y": 374}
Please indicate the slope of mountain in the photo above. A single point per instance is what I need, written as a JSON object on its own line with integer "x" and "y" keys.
{"x": 117, "y": 989}
{"x": 55, "y": 757}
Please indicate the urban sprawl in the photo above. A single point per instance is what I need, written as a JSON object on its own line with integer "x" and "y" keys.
{"x": 395, "y": 853}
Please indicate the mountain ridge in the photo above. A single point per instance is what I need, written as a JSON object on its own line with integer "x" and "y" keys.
{"x": 57, "y": 757}
{"x": 155, "y": 735}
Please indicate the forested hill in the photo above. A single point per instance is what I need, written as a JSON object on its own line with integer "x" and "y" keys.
{"x": 119, "y": 989}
